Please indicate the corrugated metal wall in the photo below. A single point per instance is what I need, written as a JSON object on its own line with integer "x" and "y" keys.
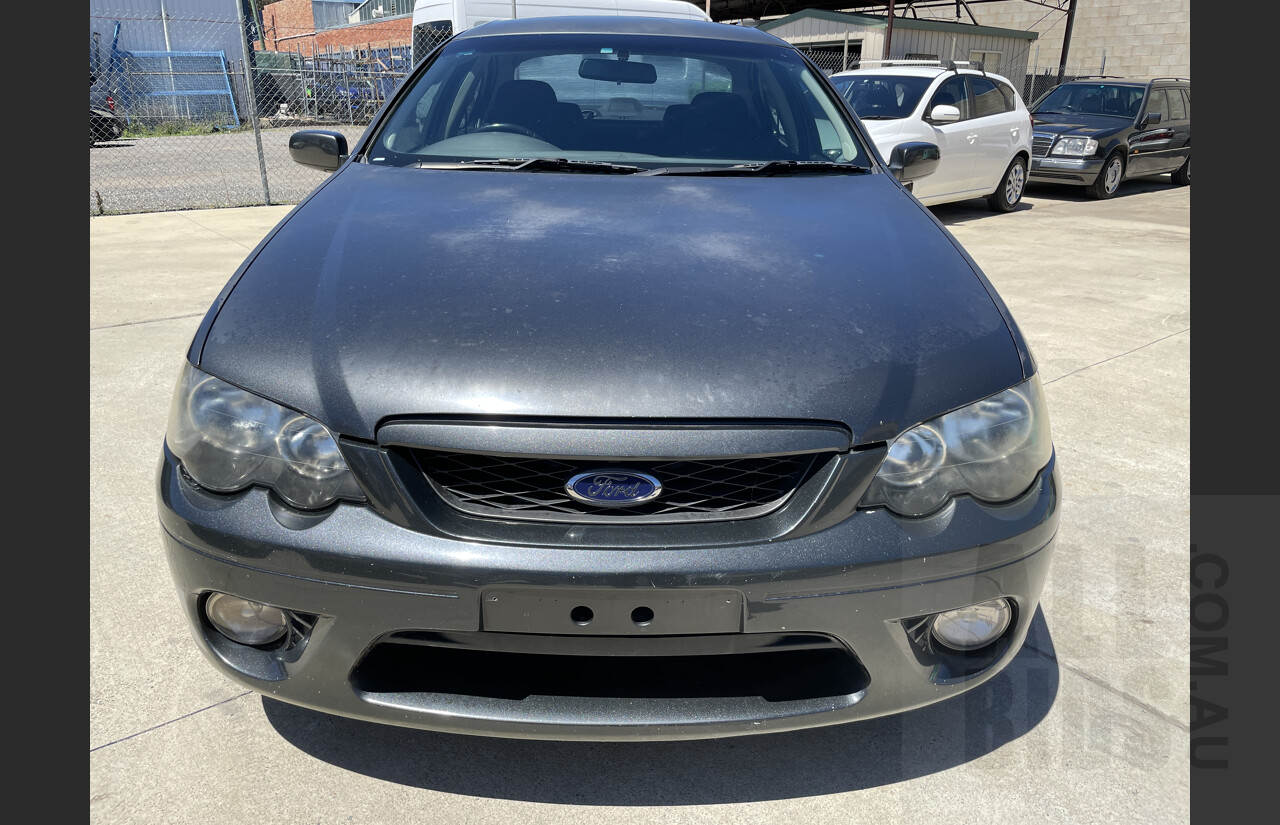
{"x": 818, "y": 32}
{"x": 958, "y": 46}
{"x": 193, "y": 25}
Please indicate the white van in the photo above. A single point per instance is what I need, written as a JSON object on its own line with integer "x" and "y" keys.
{"x": 436, "y": 20}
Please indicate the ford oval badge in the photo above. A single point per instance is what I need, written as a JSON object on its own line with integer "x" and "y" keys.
{"x": 613, "y": 488}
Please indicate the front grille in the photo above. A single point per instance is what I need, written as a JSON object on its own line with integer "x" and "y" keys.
{"x": 532, "y": 488}
{"x": 1040, "y": 143}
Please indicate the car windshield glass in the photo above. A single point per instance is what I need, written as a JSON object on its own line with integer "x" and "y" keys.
{"x": 1107, "y": 99}
{"x": 632, "y": 100}
{"x": 882, "y": 97}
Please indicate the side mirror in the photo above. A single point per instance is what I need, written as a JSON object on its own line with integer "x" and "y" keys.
{"x": 318, "y": 148}
{"x": 1149, "y": 119}
{"x": 914, "y": 160}
{"x": 944, "y": 113}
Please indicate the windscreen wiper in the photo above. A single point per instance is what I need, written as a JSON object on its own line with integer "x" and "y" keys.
{"x": 769, "y": 168}
{"x": 554, "y": 165}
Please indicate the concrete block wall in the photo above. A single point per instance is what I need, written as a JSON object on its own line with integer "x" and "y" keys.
{"x": 1137, "y": 38}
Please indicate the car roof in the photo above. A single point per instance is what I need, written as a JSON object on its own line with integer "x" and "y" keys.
{"x": 1126, "y": 81}
{"x": 915, "y": 71}
{"x": 616, "y": 24}
{"x": 918, "y": 71}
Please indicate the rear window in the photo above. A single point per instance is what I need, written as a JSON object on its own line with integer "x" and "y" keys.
{"x": 677, "y": 81}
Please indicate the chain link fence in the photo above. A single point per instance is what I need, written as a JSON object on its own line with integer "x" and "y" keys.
{"x": 190, "y": 110}
{"x": 192, "y": 103}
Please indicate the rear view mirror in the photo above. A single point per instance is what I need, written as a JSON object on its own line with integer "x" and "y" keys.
{"x": 617, "y": 71}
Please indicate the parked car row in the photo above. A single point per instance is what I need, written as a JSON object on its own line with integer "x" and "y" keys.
{"x": 1090, "y": 132}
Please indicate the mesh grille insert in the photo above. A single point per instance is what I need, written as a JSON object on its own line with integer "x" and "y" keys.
{"x": 692, "y": 490}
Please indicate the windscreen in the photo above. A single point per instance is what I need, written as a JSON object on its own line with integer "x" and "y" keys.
{"x": 882, "y": 97}
{"x": 639, "y": 99}
{"x": 1092, "y": 99}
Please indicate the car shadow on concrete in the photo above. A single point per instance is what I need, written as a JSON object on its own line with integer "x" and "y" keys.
{"x": 958, "y": 212}
{"x": 1058, "y": 192}
{"x": 962, "y": 212}
{"x": 814, "y": 762}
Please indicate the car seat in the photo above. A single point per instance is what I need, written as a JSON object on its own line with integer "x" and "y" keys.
{"x": 880, "y": 101}
{"x": 1091, "y": 104}
{"x": 1114, "y": 106}
{"x": 529, "y": 103}
{"x": 718, "y": 125}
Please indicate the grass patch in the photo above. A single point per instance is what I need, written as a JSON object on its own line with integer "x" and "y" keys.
{"x": 171, "y": 128}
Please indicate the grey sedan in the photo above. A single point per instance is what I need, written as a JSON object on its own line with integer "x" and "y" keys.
{"x": 547, "y": 416}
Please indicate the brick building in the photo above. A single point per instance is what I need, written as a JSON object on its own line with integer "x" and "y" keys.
{"x": 318, "y": 27}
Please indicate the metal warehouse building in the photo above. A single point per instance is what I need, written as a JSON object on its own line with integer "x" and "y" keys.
{"x": 840, "y": 40}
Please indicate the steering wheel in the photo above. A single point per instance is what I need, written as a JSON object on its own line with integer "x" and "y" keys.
{"x": 510, "y": 127}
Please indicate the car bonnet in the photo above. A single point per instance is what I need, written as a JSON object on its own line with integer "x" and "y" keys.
{"x": 1079, "y": 124}
{"x": 400, "y": 292}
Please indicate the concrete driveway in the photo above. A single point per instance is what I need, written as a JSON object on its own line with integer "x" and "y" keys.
{"x": 1090, "y": 723}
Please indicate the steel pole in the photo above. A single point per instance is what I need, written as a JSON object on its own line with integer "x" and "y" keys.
{"x": 253, "y": 101}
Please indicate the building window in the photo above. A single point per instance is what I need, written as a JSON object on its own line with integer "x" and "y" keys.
{"x": 989, "y": 60}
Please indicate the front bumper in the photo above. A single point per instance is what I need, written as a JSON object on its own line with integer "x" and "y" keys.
{"x": 406, "y": 627}
{"x": 1065, "y": 170}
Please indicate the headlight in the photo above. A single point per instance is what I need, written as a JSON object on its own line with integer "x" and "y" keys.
{"x": 992, "y": 450}
{"x": 228, "y": 439}
{"x": 1075, "y": 147}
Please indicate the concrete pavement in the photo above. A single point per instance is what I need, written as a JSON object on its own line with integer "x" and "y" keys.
{"x": 1090, "y": 724}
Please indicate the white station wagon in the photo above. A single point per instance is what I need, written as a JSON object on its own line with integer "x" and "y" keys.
{"x": 977, "y": 119}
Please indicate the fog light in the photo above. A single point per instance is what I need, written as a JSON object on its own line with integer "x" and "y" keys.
{"x": 244, "y": 621}
{"x": 972, "y": 627}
